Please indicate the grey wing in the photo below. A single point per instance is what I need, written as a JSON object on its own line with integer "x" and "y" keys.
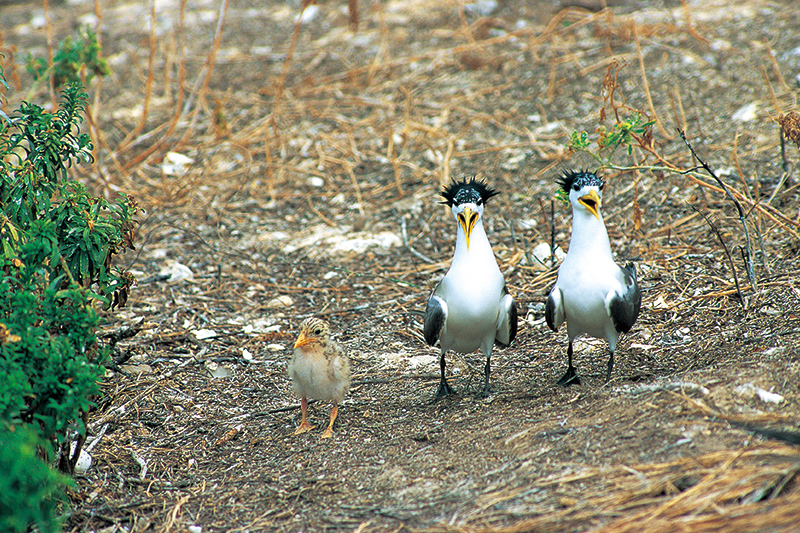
{"x": 554, "y": 313}
{"x": 624, "y": 308}
{"x": 507, "y": 320}
{"x": 435, "y": 318}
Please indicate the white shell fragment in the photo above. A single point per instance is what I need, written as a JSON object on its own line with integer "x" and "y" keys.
{"x": 84, "y": 462}
{"x": 541, "y": 255}
{"x": 217, "y": 370}
{"x": 482, "y": 8}
{"x": 746, "y": 113}
{"x": 261, "y": 325}
{"x": 280, "y": 302}
{"x": 748, "y": 391}
{"x": 309, "y": 14}
{"x": 176, "y": 272}
{"x": 769, "y": 397}
{"x": 203, "y": 334}
{"x": 175, "y": 164}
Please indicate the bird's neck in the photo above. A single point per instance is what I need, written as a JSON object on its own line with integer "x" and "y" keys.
{"x": 589, "y": 234}
{"x": 478, "y": 242}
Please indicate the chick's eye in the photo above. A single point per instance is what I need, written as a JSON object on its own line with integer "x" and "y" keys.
{"x": 317, "y": 331}
{"x": 575, "y": 188}
{"x": 602, "y": 185}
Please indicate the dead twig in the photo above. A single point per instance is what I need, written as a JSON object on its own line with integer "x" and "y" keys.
{"x": 727, "y": 254}
{"x": 410, "y": 248}
{"x": 122, "y": 409}
{"x": 742, "y": 218}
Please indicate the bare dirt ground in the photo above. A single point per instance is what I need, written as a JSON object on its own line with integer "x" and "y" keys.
{"x": 312, "y": 190}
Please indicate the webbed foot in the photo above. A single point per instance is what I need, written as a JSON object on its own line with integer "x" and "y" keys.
{"x": 570, "y": 377}
{"x": 444, "y": 390}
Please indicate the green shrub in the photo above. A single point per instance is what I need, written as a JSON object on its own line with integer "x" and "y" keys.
{"x": 50, "y": 359}
{"x": 58, "y": 243}
{"x": 30, "y": 490}
{"x": 38, "y": 149}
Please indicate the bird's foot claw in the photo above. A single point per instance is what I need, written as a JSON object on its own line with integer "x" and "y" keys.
{"x": 303, "y": 428}
{"x": 570, "y": 377}
{"x": 327, "y": 434}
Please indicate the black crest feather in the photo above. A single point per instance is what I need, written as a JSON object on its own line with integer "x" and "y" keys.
{"x": 461, "y": 192}
{"x": 577, "y": 179}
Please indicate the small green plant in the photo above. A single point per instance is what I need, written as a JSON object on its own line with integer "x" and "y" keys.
{"x": 631, "y": 127}
{"x": 72, "y": 56}
{"x": 627, "y": 132}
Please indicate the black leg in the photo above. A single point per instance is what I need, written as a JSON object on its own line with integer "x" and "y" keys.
{"x": 570, "y": 377}
{"x": 610, "y": 366}
{"x": 444, "y": 387}
{"x": 486, "y": 370}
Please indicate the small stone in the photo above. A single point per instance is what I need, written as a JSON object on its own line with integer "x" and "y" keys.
{"x": 280, "y": 302}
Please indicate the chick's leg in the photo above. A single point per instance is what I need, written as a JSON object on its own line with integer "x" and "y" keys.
{"x": 328, "y": 433}
{"x": 304, "y": 425}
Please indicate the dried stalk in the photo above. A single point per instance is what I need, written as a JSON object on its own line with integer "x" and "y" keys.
{"x": 410, "y": 248}
{"x": 179, "y": 111}
{"x": 742, "y": 216}
{"x": 148, "y": 85}
{"x": 727, "y": 253}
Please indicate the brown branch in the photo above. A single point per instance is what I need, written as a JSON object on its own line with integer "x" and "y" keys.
{"x": 742, "y": 215}
{"x": 727, "y": 253}
{"x": 148, "y": 85}
{"x": 646, "y": 84}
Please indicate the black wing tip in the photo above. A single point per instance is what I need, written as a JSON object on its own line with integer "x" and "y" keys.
{"x": 631, "y": 268}
{"x": 550, "y": 312}
{"x": 513, "y": 320}
{"x": 513, "y": 323}
{"x": 450, "y": 192}
{"x": 433, "y": 322}
{"x": 625, "y": 311}
{"x": 569, "y": 178}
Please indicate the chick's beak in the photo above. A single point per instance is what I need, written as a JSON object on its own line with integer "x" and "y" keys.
{"x": 592, "y": 202}
{"x": 467, "y": 219}
{"x": 302, "y": 340}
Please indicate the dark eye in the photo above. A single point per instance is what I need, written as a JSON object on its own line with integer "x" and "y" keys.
{"x": 318, "y": 331}
{"x": 575, "y": 187}
{"x": 602, "y": 185}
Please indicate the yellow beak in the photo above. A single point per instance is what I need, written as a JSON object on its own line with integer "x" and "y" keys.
{"x": 591, "y": 202}
{"x": 467, "y": 219}
{"x": 303, "y": 339}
